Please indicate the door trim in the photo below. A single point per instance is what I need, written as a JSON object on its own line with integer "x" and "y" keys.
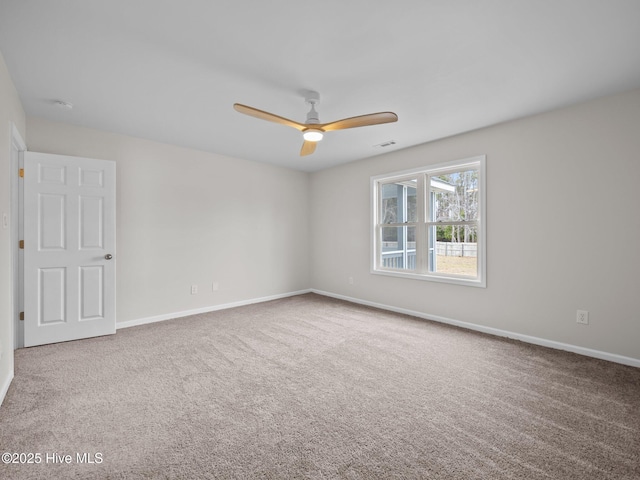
{"x": 17, "y": 264}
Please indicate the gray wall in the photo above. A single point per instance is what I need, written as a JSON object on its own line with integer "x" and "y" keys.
{"x": 564, "y": 182}
{"x": 188, "y": 217}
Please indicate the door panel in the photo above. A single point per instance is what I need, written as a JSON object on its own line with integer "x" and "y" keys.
{"x": 52, "y": 174}
{"x": 52, "y": 288}
{"x": 92, "y": 223}
{"x": 91, "y": 178}
{"x": 91, "y": 292}
{"x": 69, "y": 232}
{"x": 51, "y": 219}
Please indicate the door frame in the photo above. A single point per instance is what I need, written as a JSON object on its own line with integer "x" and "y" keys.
{"x": 18, "y": 147}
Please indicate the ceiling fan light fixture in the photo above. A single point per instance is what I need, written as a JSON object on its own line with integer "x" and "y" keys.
{"x": 313, "y": 134}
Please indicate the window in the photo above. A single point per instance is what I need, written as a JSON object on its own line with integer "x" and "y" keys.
{"x": 428, "y": 223}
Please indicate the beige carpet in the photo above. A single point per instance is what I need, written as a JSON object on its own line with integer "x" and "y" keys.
{"x": 311, "y": 387}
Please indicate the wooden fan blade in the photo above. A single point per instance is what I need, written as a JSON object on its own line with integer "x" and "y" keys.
{"x": 361, "y": 121}
{"x": 308, "y": 148}
{"x": 254, "y": 112}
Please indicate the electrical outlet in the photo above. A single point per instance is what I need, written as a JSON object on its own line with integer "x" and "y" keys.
{"x": 215, "y": 286}
{"x": 582, "y": 316}
{"x": 350, "y": 280}
{"x": 194, "y": 289}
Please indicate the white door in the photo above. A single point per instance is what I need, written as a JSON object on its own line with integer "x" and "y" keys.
{"x": 69, "y": 248}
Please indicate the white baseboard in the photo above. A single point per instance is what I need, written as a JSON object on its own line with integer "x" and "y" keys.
{"x": 5, "y": 387}
{"x": 612, "y": 357}
{"x": 186, "y": 313}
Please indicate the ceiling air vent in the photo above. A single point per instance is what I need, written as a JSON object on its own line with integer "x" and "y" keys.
{"x": 62, "y": 104}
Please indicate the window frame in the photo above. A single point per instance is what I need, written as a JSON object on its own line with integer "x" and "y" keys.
{"x": 424, "y": 221}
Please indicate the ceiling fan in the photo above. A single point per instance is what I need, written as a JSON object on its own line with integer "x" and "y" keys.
{"x": 313, "y": 130}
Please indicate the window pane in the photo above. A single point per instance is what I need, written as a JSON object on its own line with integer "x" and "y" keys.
{"x": 458, "y": 258}
{"x": 399, "y": 202}
{"x": 454, "y": 196}
{"x": 398, "y": 248}
{"x": 444, "y": 206}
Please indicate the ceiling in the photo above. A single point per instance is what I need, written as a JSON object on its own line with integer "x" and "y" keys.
{"x": 170, "y": 71}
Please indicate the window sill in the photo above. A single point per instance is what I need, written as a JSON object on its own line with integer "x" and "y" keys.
{"x": 481, "y": 283}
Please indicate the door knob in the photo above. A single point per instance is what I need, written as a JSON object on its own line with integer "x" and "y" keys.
{"x": 108, "y": 256}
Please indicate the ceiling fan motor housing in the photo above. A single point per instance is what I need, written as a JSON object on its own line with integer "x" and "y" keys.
{"x": 312, "y": 116}
{"x": 313, "y": 99}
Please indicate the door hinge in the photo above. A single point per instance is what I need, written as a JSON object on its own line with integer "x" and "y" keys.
{"x": 21, "y": 315}
{"x": 21, "y": 173}
{"x": 21, "y": 244}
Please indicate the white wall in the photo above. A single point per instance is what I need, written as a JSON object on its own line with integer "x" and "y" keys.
{"x": 188, "y": 217}
{"x": 560, "y": 185}
{"x": 10, "y": 112}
